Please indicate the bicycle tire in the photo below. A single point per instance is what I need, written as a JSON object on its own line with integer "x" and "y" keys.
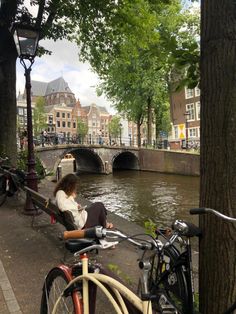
{"x": 54, "y": 284}
{"x": 168, "y": 283}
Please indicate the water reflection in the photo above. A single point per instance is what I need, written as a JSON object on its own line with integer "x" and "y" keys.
{"x": 138, "y": 196}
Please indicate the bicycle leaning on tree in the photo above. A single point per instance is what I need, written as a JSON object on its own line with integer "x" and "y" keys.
{"x": 165, "y": 282}
{"x": 11, "y": 180}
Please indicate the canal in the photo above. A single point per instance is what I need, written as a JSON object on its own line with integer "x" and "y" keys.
{"x": 139, "y": 196}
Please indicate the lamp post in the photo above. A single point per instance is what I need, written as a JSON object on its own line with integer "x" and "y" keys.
{"x": 130, "y": 140}
{"x": 186, "y": 114}
{"x": 26, "y": 39}
{"x": 120, "y": 125}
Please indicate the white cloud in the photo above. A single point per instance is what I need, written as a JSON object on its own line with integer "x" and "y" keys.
{"x": 64, "y": 61}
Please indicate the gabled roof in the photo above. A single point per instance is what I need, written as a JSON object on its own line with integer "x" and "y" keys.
{"x": 38, "y": 88}
{"x": 58, "y": 85}
{"x": 102, "y": 110}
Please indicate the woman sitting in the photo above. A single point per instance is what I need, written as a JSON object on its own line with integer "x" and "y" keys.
{"x": 93, "y": 215}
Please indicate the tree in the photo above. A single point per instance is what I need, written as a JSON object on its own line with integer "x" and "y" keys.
{"x": 39, "y": 117}
{"x": 114, "y": 127}
{"x": 217, "y": 274}
{"x": 137, "y": 78}
{"x": 82, "y": 129}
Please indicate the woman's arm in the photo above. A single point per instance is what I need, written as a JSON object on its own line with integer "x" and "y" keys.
{"x": 64, "y": 202}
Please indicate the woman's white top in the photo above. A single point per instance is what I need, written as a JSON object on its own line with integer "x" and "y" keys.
{"x": 65, "y": 202}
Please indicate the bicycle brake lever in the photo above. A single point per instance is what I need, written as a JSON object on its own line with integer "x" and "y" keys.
{"x": 105, "y": 244}
{"x": 102, "y": 246}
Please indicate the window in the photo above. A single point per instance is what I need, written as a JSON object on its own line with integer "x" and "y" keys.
{"x": 68, "y": 124}
{"x": 63, "y": 124}
{"x": 58, "y": 114}
{"x": 20, "y": 111}
{"x": 197, "y": 91}
{"x": 68, "y": 115}
{"x": 50, "y": 119}
{"x": 176, "y": 132}
{"x": 58, "y": 124}
{"x": 74, "y": 125}
{"x": 63, "y": 115}
{"x": 198, "y": 110}
{"x": 188, "y": 93}
{"x": 191, "y": 113}
{"x": 192, "y": 132}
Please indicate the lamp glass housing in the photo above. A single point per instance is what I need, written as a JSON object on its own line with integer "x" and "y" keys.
{"x": 26, "y": 40}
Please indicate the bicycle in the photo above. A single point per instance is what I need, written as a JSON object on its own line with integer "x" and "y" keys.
{"x": 11, "y": 180}
{"x": 171, "y": 274}
{"x": 63, "y": 285}
{"x": 205, "y": 210}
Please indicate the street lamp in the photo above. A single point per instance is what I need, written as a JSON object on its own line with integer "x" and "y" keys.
{"x": 26, "y": 40}
{"x": 130, "y": 140}
{"x": 186, "y": 114}
{"x": 120, "y": 125}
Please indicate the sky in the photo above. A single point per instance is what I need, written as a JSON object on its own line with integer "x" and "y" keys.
{"x": 64, "y": 61}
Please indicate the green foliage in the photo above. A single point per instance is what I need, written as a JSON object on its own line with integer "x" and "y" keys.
{"x": 82, "y": 128}
{"x": 114, "y": 127}
{"x": 39, "y": 117}
{"x": 136, "y": 75}
{"x": 150, "y": 228}
{"x": 22, "y": 164}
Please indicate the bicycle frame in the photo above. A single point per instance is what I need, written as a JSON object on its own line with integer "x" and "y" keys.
{"x": 100, "y": 280}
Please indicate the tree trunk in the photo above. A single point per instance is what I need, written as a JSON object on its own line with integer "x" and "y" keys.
{"x": 149, "y": 121}
{"x": 7, "y": 95}
{"x": 217, "y": 271}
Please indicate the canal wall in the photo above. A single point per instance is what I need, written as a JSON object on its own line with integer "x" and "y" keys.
{"x": 166, "y": 161}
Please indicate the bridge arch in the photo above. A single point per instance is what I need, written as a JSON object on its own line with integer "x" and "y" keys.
{"x": 88, "y": 160}
{"x": 125, "y": 160}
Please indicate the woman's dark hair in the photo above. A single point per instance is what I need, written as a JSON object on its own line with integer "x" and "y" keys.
{"x": 68, "y": 184}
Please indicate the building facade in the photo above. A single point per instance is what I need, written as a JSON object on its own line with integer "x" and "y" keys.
{"x": 97, "y": 119}
{"x": 185, "y": 117}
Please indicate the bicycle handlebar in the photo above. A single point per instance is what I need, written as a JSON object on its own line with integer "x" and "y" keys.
{"x": 205, "y": 210}
{"x": 100, "y": 232}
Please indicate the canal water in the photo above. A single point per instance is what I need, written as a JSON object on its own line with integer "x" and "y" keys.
{"x": 139, "y": 195}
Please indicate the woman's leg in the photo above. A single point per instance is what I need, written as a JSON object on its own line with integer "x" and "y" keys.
{"x": 97, "y": 215}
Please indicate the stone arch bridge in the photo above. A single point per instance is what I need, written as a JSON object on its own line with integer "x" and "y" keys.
{"x": 104, "y": 159}
{"x": 95, "y": 159}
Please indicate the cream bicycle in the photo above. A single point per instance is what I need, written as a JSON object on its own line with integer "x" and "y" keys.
{"x": 72, "y": 288}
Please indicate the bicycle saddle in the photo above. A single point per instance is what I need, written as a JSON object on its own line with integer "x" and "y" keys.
{"x": 78, "y": 244}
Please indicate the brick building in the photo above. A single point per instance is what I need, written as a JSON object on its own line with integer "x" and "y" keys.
{"x": 185, "y": 117}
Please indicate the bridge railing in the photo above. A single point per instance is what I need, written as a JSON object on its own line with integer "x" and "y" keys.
{"x": 52, "y": 140}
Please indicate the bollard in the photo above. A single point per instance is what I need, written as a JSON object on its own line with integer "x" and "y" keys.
{"x": 74, "y": 165}
{"x": 59, "y": 173}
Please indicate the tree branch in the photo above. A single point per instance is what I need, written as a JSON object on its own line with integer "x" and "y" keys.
{"x": 40, "y": 14}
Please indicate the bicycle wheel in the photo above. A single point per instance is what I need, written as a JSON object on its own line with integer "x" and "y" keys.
{"x": 168, "y": 283}
{"x": 54, "y": 286}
